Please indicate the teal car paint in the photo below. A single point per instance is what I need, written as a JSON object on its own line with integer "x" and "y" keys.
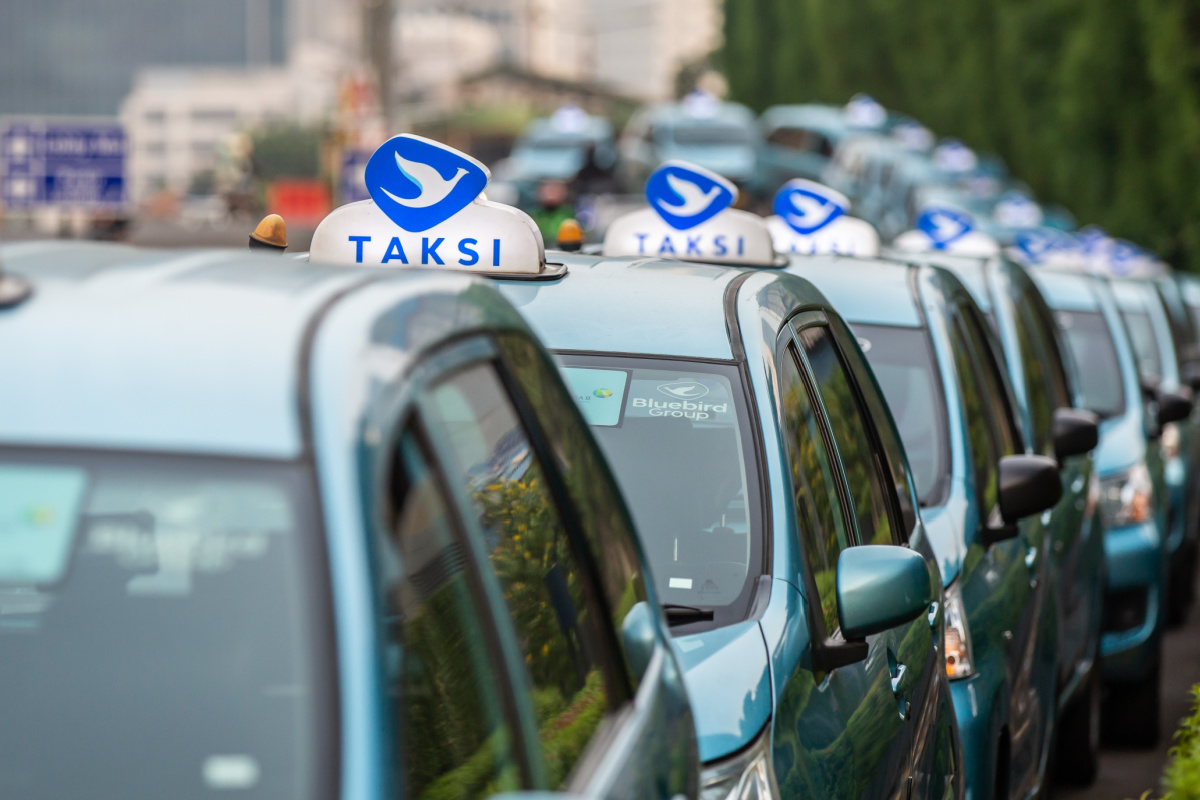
{"x": 719, "y": 136}
{"x": 1037, "y": 362}
{"x": 1128, "y": 462}
{"x": 768, "y": 685}
{"x": 1162, "y": 358}
{"x": 1004, "y": 702}
{"x": 286, "y": 420}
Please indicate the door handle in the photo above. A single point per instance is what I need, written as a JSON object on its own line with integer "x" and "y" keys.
{"x": 1031, "y": 561}
{"x": 898, "y": 679}
{"x": 896, "y": 672}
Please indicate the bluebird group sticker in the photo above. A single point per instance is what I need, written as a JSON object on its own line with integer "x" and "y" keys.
{"x": 685, "y": 195}
{"x": 944, "y": 226}
{"x": 807, "y": 207}
{"x": 1037, "y": 244}
{"x": 420, "y": 183}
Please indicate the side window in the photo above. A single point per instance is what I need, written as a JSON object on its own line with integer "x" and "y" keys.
{"x": 1038, "y": 384}
{"x": 601, "y": 509}
{"x": 1042, "y": 319}
{"x": 992, "y": 375}
{"x": 851, "y": 433}
{"x": 984, "y": 453}
{"x": 533, "y": 557}
{"x": 822, "y": 526}
{"x": 443, "y": 695}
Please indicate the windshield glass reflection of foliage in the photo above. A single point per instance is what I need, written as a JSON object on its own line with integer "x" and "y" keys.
{"x": 817, "y": 508}
{"x": 532, "y": 556}
{"x": 850, "y": 433}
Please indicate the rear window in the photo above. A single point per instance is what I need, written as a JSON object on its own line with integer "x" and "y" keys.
{"x": 1091, "y": 344}
{"x": 710, "y": 135}
{"x": 903, "y": 362}
{"x": 678, "y": 437}
{"x": 164, "y": 628}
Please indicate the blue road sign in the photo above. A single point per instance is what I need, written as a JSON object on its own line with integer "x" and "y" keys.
{"x": 49, "y": 162}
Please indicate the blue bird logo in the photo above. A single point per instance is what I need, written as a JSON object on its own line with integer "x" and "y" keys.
{"x": 807, "y": 206}
{"x": 685, "y": 195}
{"x": 420, "y": 183}
{"x": 944, "y": 226}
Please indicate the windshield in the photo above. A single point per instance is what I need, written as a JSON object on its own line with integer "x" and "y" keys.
{"x": 903, "y": 363}
{"x": 710, "y": 135}
{"x": 1145, "y": 346}
{"x": 162, "y": 630}
{"x": 1090, "y": 342}
{"x": 678, "y": 438}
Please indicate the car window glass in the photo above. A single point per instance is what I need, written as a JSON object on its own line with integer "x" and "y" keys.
{"x": 995, "y": 387}
{"x": 1145, "y": 346}
{"x": 822, "y": 527}
{"x": 1035, "y": 369}
{"x": 442, "y": 688}
{"x": 1042, "y": 320}
{"x": 852, "y": 434}
{"x": 984, "y": 453}
{"x": 1090, "y": 341}
{"x": 532, "y": 555}
{"x": 600, "y": 508}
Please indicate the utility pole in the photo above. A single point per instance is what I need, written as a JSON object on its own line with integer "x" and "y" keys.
{"x": 377, "y": 48}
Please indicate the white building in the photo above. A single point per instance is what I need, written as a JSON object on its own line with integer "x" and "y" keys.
{"x": 178, "y": 119}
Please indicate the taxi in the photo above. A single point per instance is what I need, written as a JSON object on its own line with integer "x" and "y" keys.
{"x": 722, "y": 137}
{"x": 772, "y": 496}
{"x": 1160, "y": 369}
{"x": 1045, "y": 397}
{"x": 939, "y": 368}
{"x": 1133, "y": 503}
{"x": 562, "y": 147}
{"x": 313, "y": 531}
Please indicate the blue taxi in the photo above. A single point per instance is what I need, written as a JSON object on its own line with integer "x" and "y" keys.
{"x": 1133, "y": 500}
{"x": 933, "y": 352}
{"x": 291, "y": 530}
{"x": 763, "y": 471}
{"x": 1043, "y": 388}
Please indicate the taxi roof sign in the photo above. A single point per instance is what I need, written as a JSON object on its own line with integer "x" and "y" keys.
{"x": 812, "y": 219}
{"x": 945, "y": 229}
{"x": 690, "y": 218}
{"x": 427, "y": 209}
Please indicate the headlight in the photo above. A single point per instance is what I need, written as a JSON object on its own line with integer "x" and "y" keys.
{"x": 1126, "y": 499}
{"x": 959, "y": 663}
{"x": 746, "y": 776}
{"x": 1170, "y": 441}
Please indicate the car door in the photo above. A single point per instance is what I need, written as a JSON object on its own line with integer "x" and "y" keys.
{"x": 1008, "y": 590}
{"x": 588, "y": 633}
{"x": 843, "y": 728}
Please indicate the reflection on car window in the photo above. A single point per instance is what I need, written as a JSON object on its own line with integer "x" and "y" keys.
{"x": 533, "y": 557}
{"x": 1091, "y": 344}
{"x": 676, "y": 436}
{"x": 985, "y": 454}
{"x": 182, "y": 650}
{"x": 851, "y": 434}
{"x": 1145, "y": 346}
{"x": 818, "y": 509}
{"x": 902, "y": 361}
{"x": 442, "y": 686}
{"x": 1035, "y": 369}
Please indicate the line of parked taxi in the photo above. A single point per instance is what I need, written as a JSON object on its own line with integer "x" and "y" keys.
{"x": 728, "y": 508}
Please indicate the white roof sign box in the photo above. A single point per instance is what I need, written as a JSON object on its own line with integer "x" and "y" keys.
{"x": 812, "y": 219}
{"x": 427, "y": 210}
{"x": 943, "y": 229}
{"x": 690, "y": 218}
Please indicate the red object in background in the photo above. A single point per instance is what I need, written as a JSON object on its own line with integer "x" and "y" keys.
{"x": 300, "y": 201}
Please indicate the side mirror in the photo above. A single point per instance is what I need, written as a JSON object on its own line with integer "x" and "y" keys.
{"x": 1028, "y": 485}
{"x": 638, "y": 637}
{"x": 1174, "y": 405}
{"x": 880, "y": 586}
{"x": 1076, "y": 432}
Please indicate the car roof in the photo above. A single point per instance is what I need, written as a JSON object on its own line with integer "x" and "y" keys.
{"x": 647, "y": 306}
{"x": 545, "y": 128}
{"x": 1066, "y": 291}
{"x": 828, "y": 119}
{"x": 681, "y": 113}
{"x": 970, "y": 270}
{"x": 1133, "y": 294}
{"x": 864, "y": 290}
{"x": 169, "y": 351}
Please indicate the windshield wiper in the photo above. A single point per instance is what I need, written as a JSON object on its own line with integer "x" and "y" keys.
{"x": 683, "y": 615}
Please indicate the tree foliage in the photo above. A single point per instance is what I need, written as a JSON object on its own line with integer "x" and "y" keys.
{"x": 1094, "y": 103}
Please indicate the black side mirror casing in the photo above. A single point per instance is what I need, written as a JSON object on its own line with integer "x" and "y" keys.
{"x": 1028, "y": 485}
{"x": 1174, "y": 405}
{"x": 1076, "y": 432}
